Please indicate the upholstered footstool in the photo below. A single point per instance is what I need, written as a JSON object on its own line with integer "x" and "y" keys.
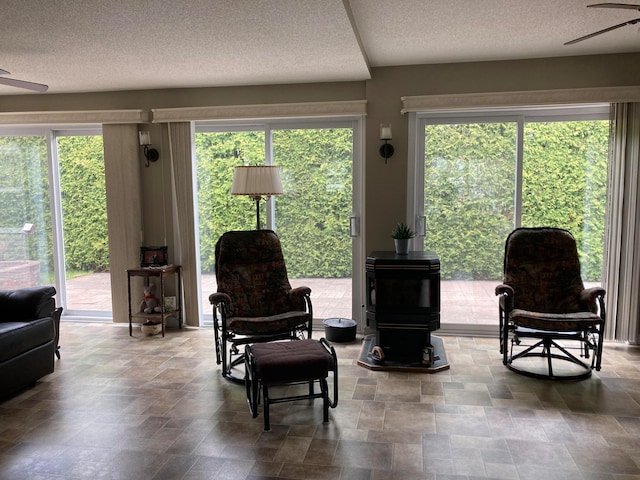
{"x": 287, "y": 363}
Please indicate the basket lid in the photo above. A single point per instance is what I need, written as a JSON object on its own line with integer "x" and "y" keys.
{"x": 339, "y": 322}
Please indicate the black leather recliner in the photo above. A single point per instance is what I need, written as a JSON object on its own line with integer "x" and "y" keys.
{"x": 27, "y": 337}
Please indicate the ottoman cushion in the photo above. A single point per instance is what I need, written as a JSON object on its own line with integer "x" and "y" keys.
{"x": 292, "y": 361}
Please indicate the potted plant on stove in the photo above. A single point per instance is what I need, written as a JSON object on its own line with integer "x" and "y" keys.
{"x": 401, "y": 235}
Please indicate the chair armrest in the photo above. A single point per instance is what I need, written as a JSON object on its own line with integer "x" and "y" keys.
{"x": 300, "y": 299}
{"x": 300, "y": 292}
{"x": 589, "y": 298}
{"x": 218, "y": 298}
{"x": 506, "y": 293}
{"x": 504, "y": 289}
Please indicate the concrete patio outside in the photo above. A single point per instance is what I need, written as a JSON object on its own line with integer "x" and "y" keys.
{"x": 463, "y": 302}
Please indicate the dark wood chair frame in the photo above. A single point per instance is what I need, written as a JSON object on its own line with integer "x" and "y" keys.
{"x": 544, "y": 340}
{"x": 589, "y": 340}
{"x": 228, "y": 342}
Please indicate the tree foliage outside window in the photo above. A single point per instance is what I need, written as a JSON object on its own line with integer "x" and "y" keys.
{"x": 217, "y": 154}
{"x": 565, "y": 184}
{"x": 24, "y": 195}
{"x": 84, "y": 203}
{"x": 469, "y": 170}
{"x": 312, "y": 217}
{"x": 470, "y": 188}
{"x": 469, "y": 192}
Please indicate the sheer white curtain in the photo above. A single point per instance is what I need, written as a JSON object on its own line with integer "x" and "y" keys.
{"x": 124, "y": 210}
{"x": 622, "y": 277}
{"x": 180, "y": 149}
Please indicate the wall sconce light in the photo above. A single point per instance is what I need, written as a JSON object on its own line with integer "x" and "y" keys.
{"x": 151, "y": 154}
{"x": 386, "y": 149}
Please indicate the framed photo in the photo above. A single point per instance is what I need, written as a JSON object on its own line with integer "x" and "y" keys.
{"x": 169, "y": 304}
{"x": 153, "y": 256}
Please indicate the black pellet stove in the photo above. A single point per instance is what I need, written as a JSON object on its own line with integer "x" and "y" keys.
{"x": 403, "y": 307}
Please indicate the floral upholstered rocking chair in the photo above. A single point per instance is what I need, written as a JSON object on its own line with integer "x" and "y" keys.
{"x": 544, "y": 310}
{"x": 254, "y": 302}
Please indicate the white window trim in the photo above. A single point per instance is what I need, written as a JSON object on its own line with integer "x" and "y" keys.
{"x": 573, "y": 96}
{"x": 261, "y": 111}
{"x": 74, "y": 117}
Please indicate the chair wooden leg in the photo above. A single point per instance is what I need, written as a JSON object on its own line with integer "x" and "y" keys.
{"x": 504, "y": 343}
{"x": 501, "y": 329}
{"x": 332, "y": 403}
{"x": 265, "y": 399}
{"x": 325, "y": 400}
{"x": 224, "y": 355}
{"x": 547, "y": 347}
{"x": 598, "y": 353}
{"x": 252, "y": 384}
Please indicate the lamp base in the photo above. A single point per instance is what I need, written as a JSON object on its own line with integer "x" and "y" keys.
{"x": 257, "y": 199}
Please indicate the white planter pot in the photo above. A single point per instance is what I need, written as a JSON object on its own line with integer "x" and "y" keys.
{"x": 402, "y": 245}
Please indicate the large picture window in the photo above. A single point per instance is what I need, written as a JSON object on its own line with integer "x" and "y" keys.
{"x": 481, "y": 174}
{"x": 84, "y": 239}
{"x": 312, "y": 217}
{"x": 53, "y": 225}
{"x": 26, "y": 248}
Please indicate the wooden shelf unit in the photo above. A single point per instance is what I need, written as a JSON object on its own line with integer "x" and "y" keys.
{"x": 161, "y": 273}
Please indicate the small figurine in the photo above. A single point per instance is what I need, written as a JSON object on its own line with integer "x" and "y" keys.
{"x": 150, "y": 303}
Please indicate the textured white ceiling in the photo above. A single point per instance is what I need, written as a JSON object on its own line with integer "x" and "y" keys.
{"x": 410, "y": 32}
{"x": 106, "y": 45}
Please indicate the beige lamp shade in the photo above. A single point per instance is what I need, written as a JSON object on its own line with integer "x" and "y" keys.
{"x": 256, "y": 181}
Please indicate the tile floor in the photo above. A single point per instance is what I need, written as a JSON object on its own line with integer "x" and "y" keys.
{"x": 157, "y": 408}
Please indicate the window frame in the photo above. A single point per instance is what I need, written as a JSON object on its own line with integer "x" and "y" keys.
{"x": 520, "y": 115}
{"x": 357, "y": 124}
{"x": 50, "y": 134}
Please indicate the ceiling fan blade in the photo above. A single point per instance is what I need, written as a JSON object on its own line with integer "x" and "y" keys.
{"x": 615, "y": 5}
{"x": 36, "y": 87}
{"x": 600, "y": 32}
